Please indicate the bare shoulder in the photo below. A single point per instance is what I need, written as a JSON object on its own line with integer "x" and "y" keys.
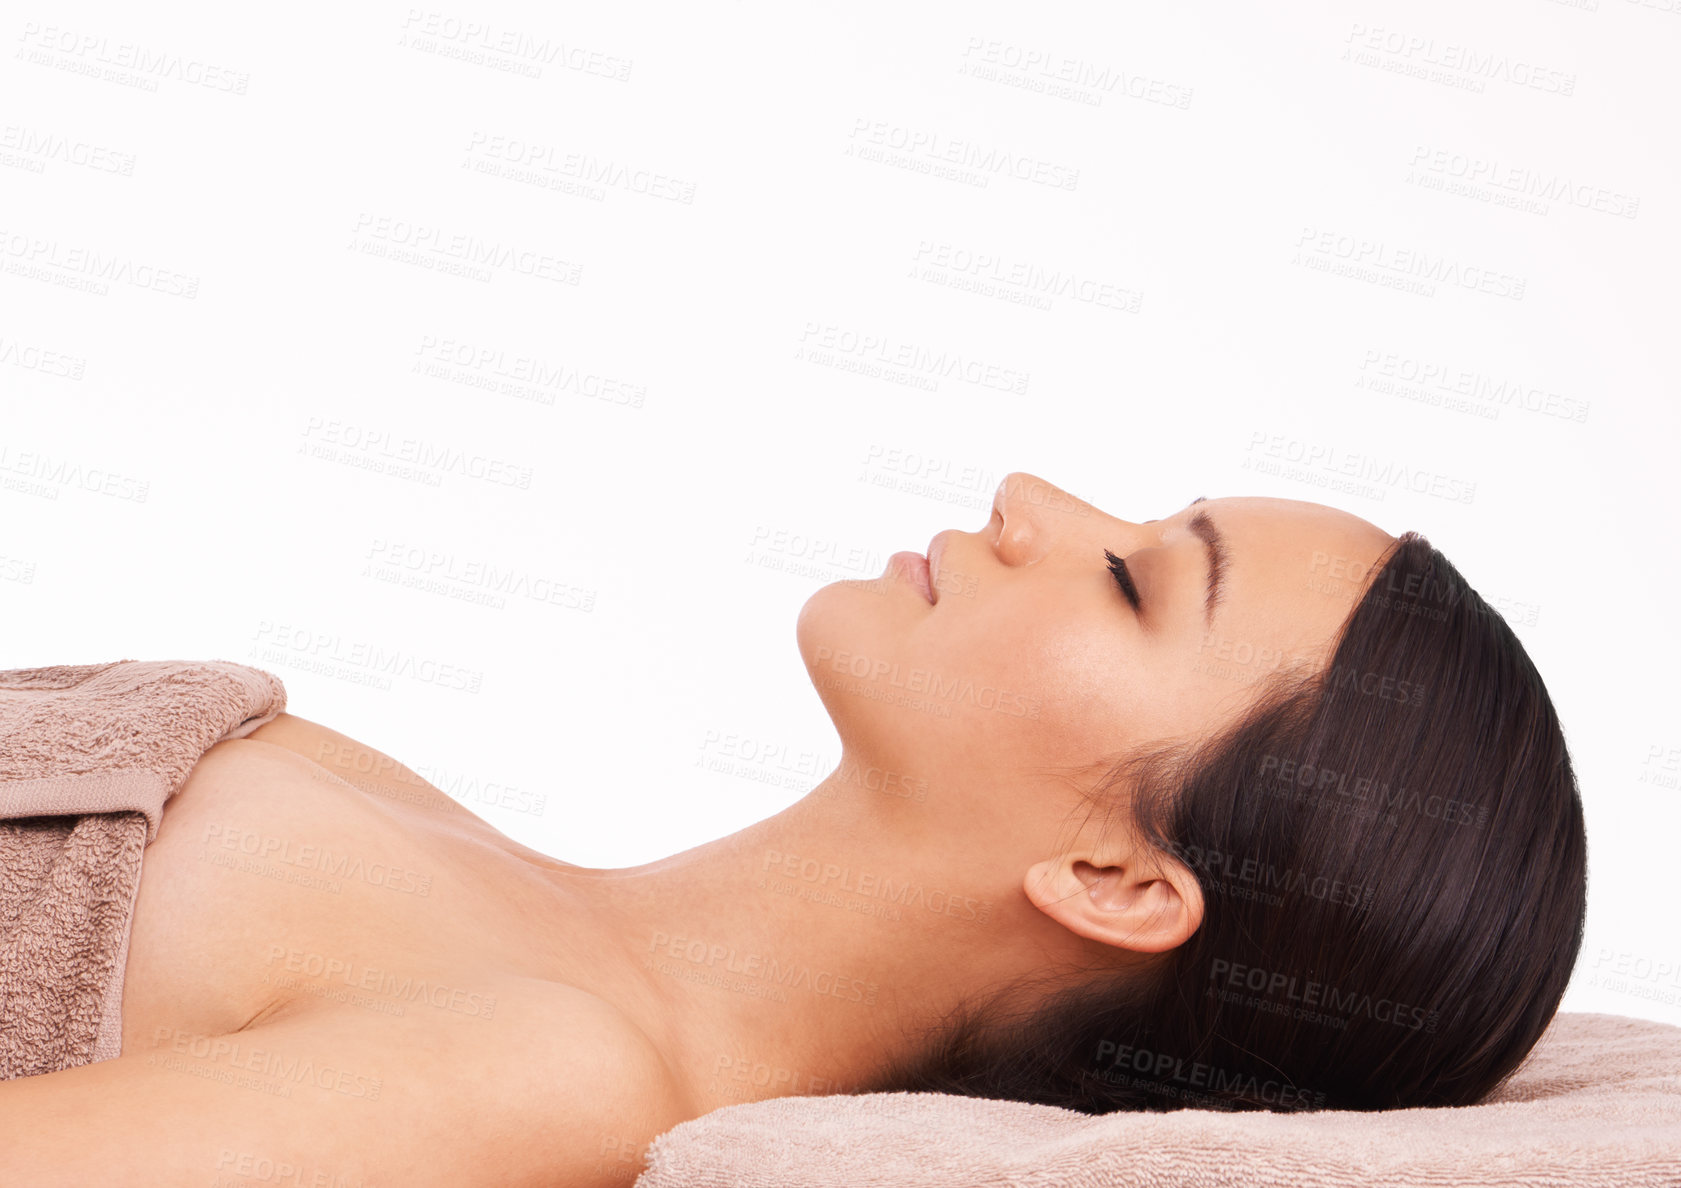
{"x": 573, "y": 1098}
{"x": 352, "y": 761}
{"x": 374, "y": 772}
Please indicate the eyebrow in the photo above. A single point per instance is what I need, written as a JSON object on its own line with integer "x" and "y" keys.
{"x": 1210, "y": 536}
{"x": 1215, "y": 545}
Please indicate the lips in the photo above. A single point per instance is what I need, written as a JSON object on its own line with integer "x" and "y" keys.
{"x": 913, "y": 567}
{"x": 936, "y": 549}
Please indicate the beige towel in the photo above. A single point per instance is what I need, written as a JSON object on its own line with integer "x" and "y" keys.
{"x": 1598, "y": 1102}
{"x": 88, "y": 755}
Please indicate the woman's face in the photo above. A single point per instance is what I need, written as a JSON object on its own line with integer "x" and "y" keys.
{"x": 1032, "y": 660}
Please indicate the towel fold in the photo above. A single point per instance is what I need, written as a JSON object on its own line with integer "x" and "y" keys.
{"x": 1597, "y": 1103}
{"x": 89, "y": 753}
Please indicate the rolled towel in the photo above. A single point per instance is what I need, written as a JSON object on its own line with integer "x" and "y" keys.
{"x": 89, "y": 753}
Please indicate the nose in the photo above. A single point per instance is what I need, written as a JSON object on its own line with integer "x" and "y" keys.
{"x": 1026, "y": 513}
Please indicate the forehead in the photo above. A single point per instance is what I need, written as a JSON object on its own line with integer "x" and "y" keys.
{"x": 1290, "y": 525}
{"x": 1293, "y": 566}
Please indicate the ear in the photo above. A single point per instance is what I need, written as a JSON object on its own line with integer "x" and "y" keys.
{"x": 1137, "y": 900}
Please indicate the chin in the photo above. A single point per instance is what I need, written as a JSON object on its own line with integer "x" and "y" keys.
{"x": 845, "y": 617}
{"x": 860, "y": 640}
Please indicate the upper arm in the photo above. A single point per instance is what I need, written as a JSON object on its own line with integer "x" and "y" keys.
{"x": 337, "y": 1098}
{"x": 187, "y": 1110}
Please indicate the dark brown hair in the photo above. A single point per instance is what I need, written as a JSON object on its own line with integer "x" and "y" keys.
{"x": 1393, "y": 865}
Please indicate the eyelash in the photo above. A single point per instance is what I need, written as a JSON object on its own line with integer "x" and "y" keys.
{"x": 1123, "y": 578}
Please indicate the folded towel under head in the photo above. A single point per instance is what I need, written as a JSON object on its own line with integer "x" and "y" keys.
{"x": 1596, "y": 1105}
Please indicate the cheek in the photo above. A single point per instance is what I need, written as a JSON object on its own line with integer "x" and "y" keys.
{"x": 1093, "y": 682}
{"x": 1083, "y": 681}
{"x": 1103, "y": 691}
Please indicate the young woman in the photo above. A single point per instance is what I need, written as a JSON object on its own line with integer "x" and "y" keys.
{"x": 1248, "y": 806}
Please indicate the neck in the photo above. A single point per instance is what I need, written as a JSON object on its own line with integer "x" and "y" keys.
{"x": 800, "y": 954}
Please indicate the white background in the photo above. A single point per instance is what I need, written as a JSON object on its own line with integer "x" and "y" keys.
{"x": 1416, "y": 261}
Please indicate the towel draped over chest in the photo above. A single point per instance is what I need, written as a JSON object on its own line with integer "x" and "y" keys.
{"x": 88, "y": 755}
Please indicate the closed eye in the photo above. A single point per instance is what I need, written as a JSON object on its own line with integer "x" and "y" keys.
{"x": 1123, "y": 578}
